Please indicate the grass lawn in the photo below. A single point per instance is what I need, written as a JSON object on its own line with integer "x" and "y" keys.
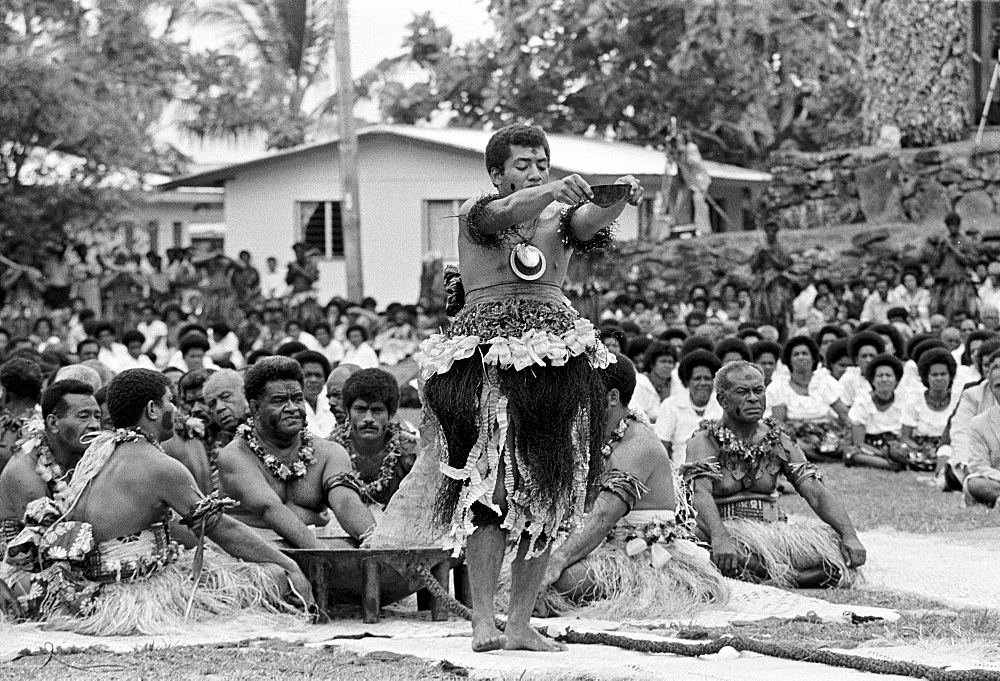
{"x": 902, "y": 501}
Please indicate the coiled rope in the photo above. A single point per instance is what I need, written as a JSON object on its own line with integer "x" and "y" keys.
{"x": 784, "y": 651}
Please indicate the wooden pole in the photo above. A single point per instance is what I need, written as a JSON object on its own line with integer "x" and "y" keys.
{"x": 348, "y": 147}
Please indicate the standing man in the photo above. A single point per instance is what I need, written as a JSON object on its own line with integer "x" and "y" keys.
{"x": 953, "y": 290}
{"x": 772, "y": 298}
{"x": 246, "y": 280}
{"x": 302, "y": 277}
{"x": 515, "y": 402}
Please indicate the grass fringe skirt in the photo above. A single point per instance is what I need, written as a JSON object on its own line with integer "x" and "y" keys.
{"x": 631, "y": 587}
{"x": 782, "y": 549}
{"x": 156, "y": 604}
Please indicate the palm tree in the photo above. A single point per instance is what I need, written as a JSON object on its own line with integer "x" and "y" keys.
{"x": 272, "y": 73}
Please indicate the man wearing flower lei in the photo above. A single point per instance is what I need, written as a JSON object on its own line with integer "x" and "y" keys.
{"x": 733, "y": 466}
{"x": 381, "y": 452}
{"x": 98, "y": 558}
{"x": 21, "y": 384}
{"x": 635, "y": 555}
{"x": 45, "y": 458}
{"x": 284, "y": 479}
{"x": 515, "y": 407}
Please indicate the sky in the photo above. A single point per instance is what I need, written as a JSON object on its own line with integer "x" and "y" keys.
{"x": 377, "y": 30}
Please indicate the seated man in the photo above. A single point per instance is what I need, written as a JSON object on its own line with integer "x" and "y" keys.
{"x": 282, "y": 476}
{"x": 733, "y": 467}
{"x": 21, "y": 381}
{"x": 108, "y": 564}
{"x": 335, "y": 390}
{"x": 982, "y": 485}
{"x": 191, "y": 443}
{"x": 633, "y": 550}
{"x": 955, "y": 451}
{"x": 226, "y": 404}
{"x": 381, "y": 452}
{"x": 44, "y": 460}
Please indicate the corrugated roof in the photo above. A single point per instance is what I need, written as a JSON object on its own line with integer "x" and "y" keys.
{"x": 570, "y": 153}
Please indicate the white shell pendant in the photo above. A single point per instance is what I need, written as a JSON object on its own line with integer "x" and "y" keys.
{"x": 527, "y": 262}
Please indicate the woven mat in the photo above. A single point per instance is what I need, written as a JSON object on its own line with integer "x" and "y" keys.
{"x": 957, "y": 569}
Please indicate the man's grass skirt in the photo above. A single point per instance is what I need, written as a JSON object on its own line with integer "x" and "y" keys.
{"x": 632, "y": 577}
{"x": 158, "y": 603}
{"x": 783, "y": 549}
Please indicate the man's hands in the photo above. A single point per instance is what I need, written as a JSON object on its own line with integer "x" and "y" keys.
{"x": 634, "y": 196}
{"x": 10, "y": 607}
{"x": 854, "y": 553}
{"x": 571, "y": 190}
{"x": 725, "y": 555}
{"x": 301, "y": 588}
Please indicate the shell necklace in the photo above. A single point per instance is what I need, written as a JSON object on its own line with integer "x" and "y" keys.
{"x": 526, "y": 260}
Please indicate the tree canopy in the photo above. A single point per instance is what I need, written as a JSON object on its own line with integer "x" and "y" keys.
{"x": 81, "y": 91}
{"x": 741, "y": 77}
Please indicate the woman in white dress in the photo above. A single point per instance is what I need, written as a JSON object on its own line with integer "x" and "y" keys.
{"x": 808, "y": 401}
{"x": 657, "y": 382}
{"x": 878, "y": 418}
{"x": 925, "y": 418}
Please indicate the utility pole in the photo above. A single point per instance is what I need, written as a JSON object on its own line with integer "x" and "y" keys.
{"x": 348, "y": 148}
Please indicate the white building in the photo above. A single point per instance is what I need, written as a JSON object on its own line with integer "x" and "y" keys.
{"x": 412, "y": 182}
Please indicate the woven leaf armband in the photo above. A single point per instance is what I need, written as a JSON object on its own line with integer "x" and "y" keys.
{"x": 701, "y": 469}
{"x": 604, "y": 240}
{"x": 349, "y": 481}
{"x": 623, "y": 485}
{"x": 797, "y": 472}
{"x": 478, "y": 215}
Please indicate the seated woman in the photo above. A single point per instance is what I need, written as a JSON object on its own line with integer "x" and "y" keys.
{"x": 766, "y": 355}
{"x": 863, "y": 347}
{"x": 732, "y": 349}
{"x": 878, "y": 418}
{"x": 838, "y": 359}
{"x": 925, "y": 418}
{"x": 679, "y": 415}
{"x": 808, "y": 402}
{"x": 654, "y": 384}
{"x": 824, "y": 339}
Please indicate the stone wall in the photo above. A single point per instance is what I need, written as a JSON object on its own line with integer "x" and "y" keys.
{"x": 887, "y": 185}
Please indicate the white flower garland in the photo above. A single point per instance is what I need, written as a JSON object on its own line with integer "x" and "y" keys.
{"x": 281, "y": 470}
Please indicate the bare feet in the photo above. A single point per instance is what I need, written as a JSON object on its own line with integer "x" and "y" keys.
{"x": 486, "y": 637}
{"x": 528, "y": 639}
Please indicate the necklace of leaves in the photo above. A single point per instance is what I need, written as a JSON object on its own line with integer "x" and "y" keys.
{"x": 281, "y": 470}
{"x": 748, "y": 453}
{"x": 618, "y": 434}
{"x": 387, "y": 471}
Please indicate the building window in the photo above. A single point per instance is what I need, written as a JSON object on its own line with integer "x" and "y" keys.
{"x": 320, "y": 227}
{"x": 440, "y": 234}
